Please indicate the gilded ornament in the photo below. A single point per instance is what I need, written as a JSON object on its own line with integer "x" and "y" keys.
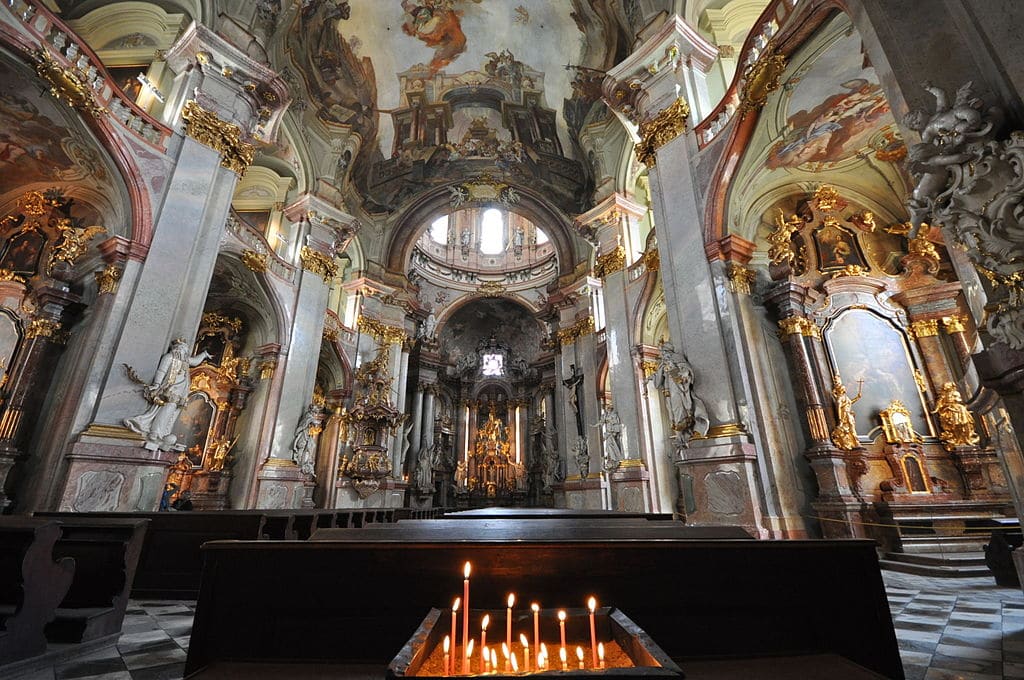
{"x": 8, "y": 275}
{"x": 567, "y": 336}
{"x": 67, "y": 85}
{"x": 850, "y": 270}
{"x": 609, "y": 263}
{"x": 896, "y": 424}
{"x": 491, "y": 289}
{"x": 200, "y": 383}
{"x": 828, "y": 199}
{"x": 267, "y": 370}
{"x": 652, "y": 260}
{"x": 844, "y": 435}
{"x": 218, "y": 321}
{"x": 73, "y": 243}
{"x": 954, "y": 324}
{"x": 661, "y": 129}
{"x": 648, "y": 367}
{"x": 781, "y": 240}
{"x": 761, "y": 79}
{"x": 741, "y": 279}
{"x": 817, "y": 424}
{"x": 318, "y": 263}
{"x": 922, "y": 247}
{"x": 924, "y": 328}
{"x": 922, "y": 383}
{"x": 207, "y": 128}
{"x": 330, "y": 334}
{"x": 798, "y": 325}
{"x": 44, "y": 328}
{"x": 390, "y": 335}
{"x": 107, "y": 278}
{"x": 256, "y": 262}
{"x": 955, "y": 421}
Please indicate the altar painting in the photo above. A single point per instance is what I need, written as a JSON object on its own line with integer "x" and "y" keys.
{"x": 193, "y": 427}
{"x": 21, "y": 252}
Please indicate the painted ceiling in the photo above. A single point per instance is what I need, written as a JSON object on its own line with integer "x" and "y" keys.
{"x": 828, "y": 123}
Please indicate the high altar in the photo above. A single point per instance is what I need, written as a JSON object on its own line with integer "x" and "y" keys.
{"x": 493, "y": 470}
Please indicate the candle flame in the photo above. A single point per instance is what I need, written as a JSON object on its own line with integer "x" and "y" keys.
{"x": 523, "y": 641}
{"x": 494, "y": 660}
{"x": 515, "y": 664}
{"x": 543, "y": 649}
{"x": 504, "y": 650}
{"x": 455, "y": 605}
{"x": 561, "y": 615}
{"x": 465, "y": 570}
{"x": 561, "y": 654}
{"x": 592, "y": 604}
{"x": 535, "y": 607}
{"x": 600, "y": 651}
{"x": 447, "y": 644}
{"x": 469, "y": 648}
{"x": 483, "y": 624}
{"x": 511, "y": 599}
{"x": 579, "y": 653}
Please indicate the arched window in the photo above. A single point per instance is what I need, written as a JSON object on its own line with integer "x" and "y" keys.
{"x": 439, "y": 230}
{"x": 542, "y": 238}
{"x": 492, "y": 232}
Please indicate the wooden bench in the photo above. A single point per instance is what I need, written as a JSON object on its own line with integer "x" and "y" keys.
{"x": 106, "y": 553}
{"x": 360, "y": 601}
{"x": 32, "y": 584}
{"x": 540, "y": 513}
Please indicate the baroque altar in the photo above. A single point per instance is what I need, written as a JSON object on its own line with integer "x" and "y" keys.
{"x": 492, "y": 470}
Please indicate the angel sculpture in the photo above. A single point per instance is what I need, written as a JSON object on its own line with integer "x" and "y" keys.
{"x": 74, "y": 241}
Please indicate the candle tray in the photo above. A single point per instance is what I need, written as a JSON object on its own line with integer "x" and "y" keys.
{"x": 418, "y": 658}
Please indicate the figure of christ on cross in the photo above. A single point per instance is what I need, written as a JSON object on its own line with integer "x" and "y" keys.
{"x": 574, "y": 383}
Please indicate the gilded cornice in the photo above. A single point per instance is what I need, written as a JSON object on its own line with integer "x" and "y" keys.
{"x": 954, "y": 324}
{"x": 661, "y": 129}
{"x": 207, "y": 128}
{"x": 217, "y": 320}
{"x": 491, "y": 289}
{"x": 795, "y": 325}
{"x": 611, "y": 262}
{"x": 316, "y": 262}
{"x": 46, "y": 328}
{"x": 380, "y": 331}
{"x": 567, "y": 336}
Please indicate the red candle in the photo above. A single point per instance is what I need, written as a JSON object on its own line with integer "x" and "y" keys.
{"x": 561, "y": 625}
{"x": 526, "y": 652}
{"x": 465, "y": 617}
{"x": 536, "y": 625}
{"x": 447, "y": 647}
{"x": 564, "y": 658}
{"x": 508, "y": 620}
{"x": 467, "y": 659}
{"x": 579, "y": 655}
{"x": 455, "y": 609}
{"x": 592, "y": 605}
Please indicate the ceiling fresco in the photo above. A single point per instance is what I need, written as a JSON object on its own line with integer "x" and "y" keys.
{"x": 828, "y": 123}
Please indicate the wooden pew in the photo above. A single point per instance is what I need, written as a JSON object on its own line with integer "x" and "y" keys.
{"x": 32, "y": 584}
{"x": 106, "y": 553}
{"x": 547, "y": 513}
{"x": 360, "y": 601}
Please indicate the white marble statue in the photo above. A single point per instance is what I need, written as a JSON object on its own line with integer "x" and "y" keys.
{"x": 581, "y": 456}
{"x": 549, "y": 459}
{"x": 166, "y": 396}
{"x": 611, "y": 436}
{"x": 429, "y": 327}
{"x": 304, "y": 443}
{"x": 674, "y": 378}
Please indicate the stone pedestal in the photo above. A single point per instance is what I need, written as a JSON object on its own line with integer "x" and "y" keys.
{"x": 209, "y": 489}
{"x": 108, "y": 470}
{"x": 718, "y": 484}
{"x": 630, "y": 486}
{"x": 280, "y": 484}
{"x": 582, "y": 494}
{"x": 390, "y": 494}
{"x": 981, "y": 472}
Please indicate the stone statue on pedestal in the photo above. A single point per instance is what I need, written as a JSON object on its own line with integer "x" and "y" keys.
{"x": 674, "y": 378}
{"x": 166, "y": 396}
{"x": 581, "y": 456}
{"x": 611, "y": 434}
{"x": 304, "y": 443}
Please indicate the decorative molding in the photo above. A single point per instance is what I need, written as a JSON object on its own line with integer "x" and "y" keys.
{"x": 330, "y": 334}
{"x": 107, "y": 278}
{"x": 207, "y": 128}
{"x": 8, "y": 275}
{"x": 924, "y": 328}
{"x": 316, "y": 262}
{"x": 795, "y": 325}
{"x": 609, "y": 263}
{"x": 567, "y": 336}
{"x": 761, "y": 79}
{"x": 850, "y": 270}
{"x": 380, "y": 331}
{"x": 255, "y": 262}
{"x": 46, "y": 328}
{"x": 741, "y": 279}
{"x": 217, "y": 320}
{"x": 491, "y": 289}
{"x": 649, "y": 367}
{"x": 661, "y": 129}
{"x": 66, "y": 85}
{"x": 652, "y": 260}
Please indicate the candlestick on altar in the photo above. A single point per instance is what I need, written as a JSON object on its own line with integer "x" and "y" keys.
{"x": 561, "y": 625}
{"x": 536, "y": 624}
{"x": 579, "y": 656}
{"x": 465, "y": 616}
{"x": 600, "y": 655}
{"x": 447, "y": 645}
{"x": 467, "y": 661}
{"x": 508, "y": 620}
{"x": 564, "y": 658}
{"x": 526, "y": 652}
{"x": 592, "y": 605}
{"x": 455, "y": 640}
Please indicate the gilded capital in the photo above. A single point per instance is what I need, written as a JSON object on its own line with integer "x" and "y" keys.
{"x": 661, "y": 129}
{"x": 107, "y": 278}
{"x": 741, "y": 279}
{"x": 569, "y": 335}
{"x": 318, "y": 263}
{"x": 798, "y": 325}
{"x": 208, "y": 129}
{"x": 924, "y": 328}
{"x": 611, "y": 262}
{"x": 380, "y": 331}
{"x": 954, "y": 324}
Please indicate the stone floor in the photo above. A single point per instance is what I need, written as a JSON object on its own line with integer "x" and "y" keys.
{"x": 963, "y": 629}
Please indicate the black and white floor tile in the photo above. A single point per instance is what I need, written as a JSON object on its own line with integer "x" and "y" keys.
{"x": 948, "y": 629}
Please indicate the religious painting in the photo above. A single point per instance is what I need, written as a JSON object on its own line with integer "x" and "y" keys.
{"x": 836, "y": 247}
{"x": 257, "y": 220}
{"x": 915, "y": 475}
{"x": 22, "y": 251}
{"x": 193, "y": 426}
{"x": 873, "y": 358}
{"x": 438, "y": 25}
{"x": 127, "y": 79}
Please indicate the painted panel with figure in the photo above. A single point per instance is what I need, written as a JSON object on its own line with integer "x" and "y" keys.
{"x": 872, "y": 356}
{"x": 193, "y": 426}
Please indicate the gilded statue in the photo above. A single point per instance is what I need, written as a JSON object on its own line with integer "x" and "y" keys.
{"x": 844, "y": 435}
{"x": 220, "y": 450}
{"x": 955, "y": 421}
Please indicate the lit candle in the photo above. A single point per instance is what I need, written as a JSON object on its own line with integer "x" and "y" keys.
{"x": 494, "y": 661}
{"x": 485, "y": 659}
{"x": 592, "y": 605}
{"x": 447, "y": 646}
{"x": 455, "y": 609}
{"x": 536, "y": 624}
{"x": 526, "y": 652}
{"x": 579, "y": 656}
{"x": 467, "y": 660}
{"x": 465, "y": 617}
{"x": 544, "y": 653}
{"x": 508, "y": 619}
{"x": 515, "y": 664}
{"x": 504, "y": 653}
{"x": 564, "y": 658}
{"x": 561, "y": 625}
{"x": 483, "y": 634}
{"x": 600, "y": 655}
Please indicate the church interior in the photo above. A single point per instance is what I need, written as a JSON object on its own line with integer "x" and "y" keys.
{"x": 674, "y": 288}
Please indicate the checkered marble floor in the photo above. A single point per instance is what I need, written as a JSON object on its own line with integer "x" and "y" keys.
{"x": 948, "y": 629}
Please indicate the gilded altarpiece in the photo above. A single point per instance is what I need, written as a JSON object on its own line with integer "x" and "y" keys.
{"x": 868, "y": 318}
{"x": 206, "y": 427}
{"x": 41, "y": 294}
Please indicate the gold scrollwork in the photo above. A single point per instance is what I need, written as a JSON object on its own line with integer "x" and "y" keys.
{"x": 924, "y": 328}
{"x": 218, "y": 321}
{"x": 318, "y": 263}
{"x": 828, "y": 199}
{"x": 761, "y": 79}
{"x": 107, "y": 278}
{"x": 8, "y": 275}
{"x": 661, "y": 129}
{"x": 46, "y": 328}
{"x": 954, "y": 324}
{"x": 67, "y": 85}
{"x": 649, "y": 367}
{"x": 74, "y": 241}
{"x": 491, "y": 289}
{"x": 794, "y": 325}
{"x": 923, "y": 248}
{"x": 255, "y": 262}
{"x": 652, "y": 260}
{"x": 609, "y": 263}
{"x": 207, "y": 128}
{"x": 567, "y": 336}
{"x": 330, "y": 334}
{"x": 850, "y": 270}
{"x": 267, "y": 369}
{"x": 741, "y": 279}
{"x": 391, "y": 335}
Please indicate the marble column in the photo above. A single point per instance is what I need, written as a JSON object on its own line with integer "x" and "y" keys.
{"x": 401, "y": 454}
{"x": 220, "y": 120}
{"x": 416, "y": 435}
